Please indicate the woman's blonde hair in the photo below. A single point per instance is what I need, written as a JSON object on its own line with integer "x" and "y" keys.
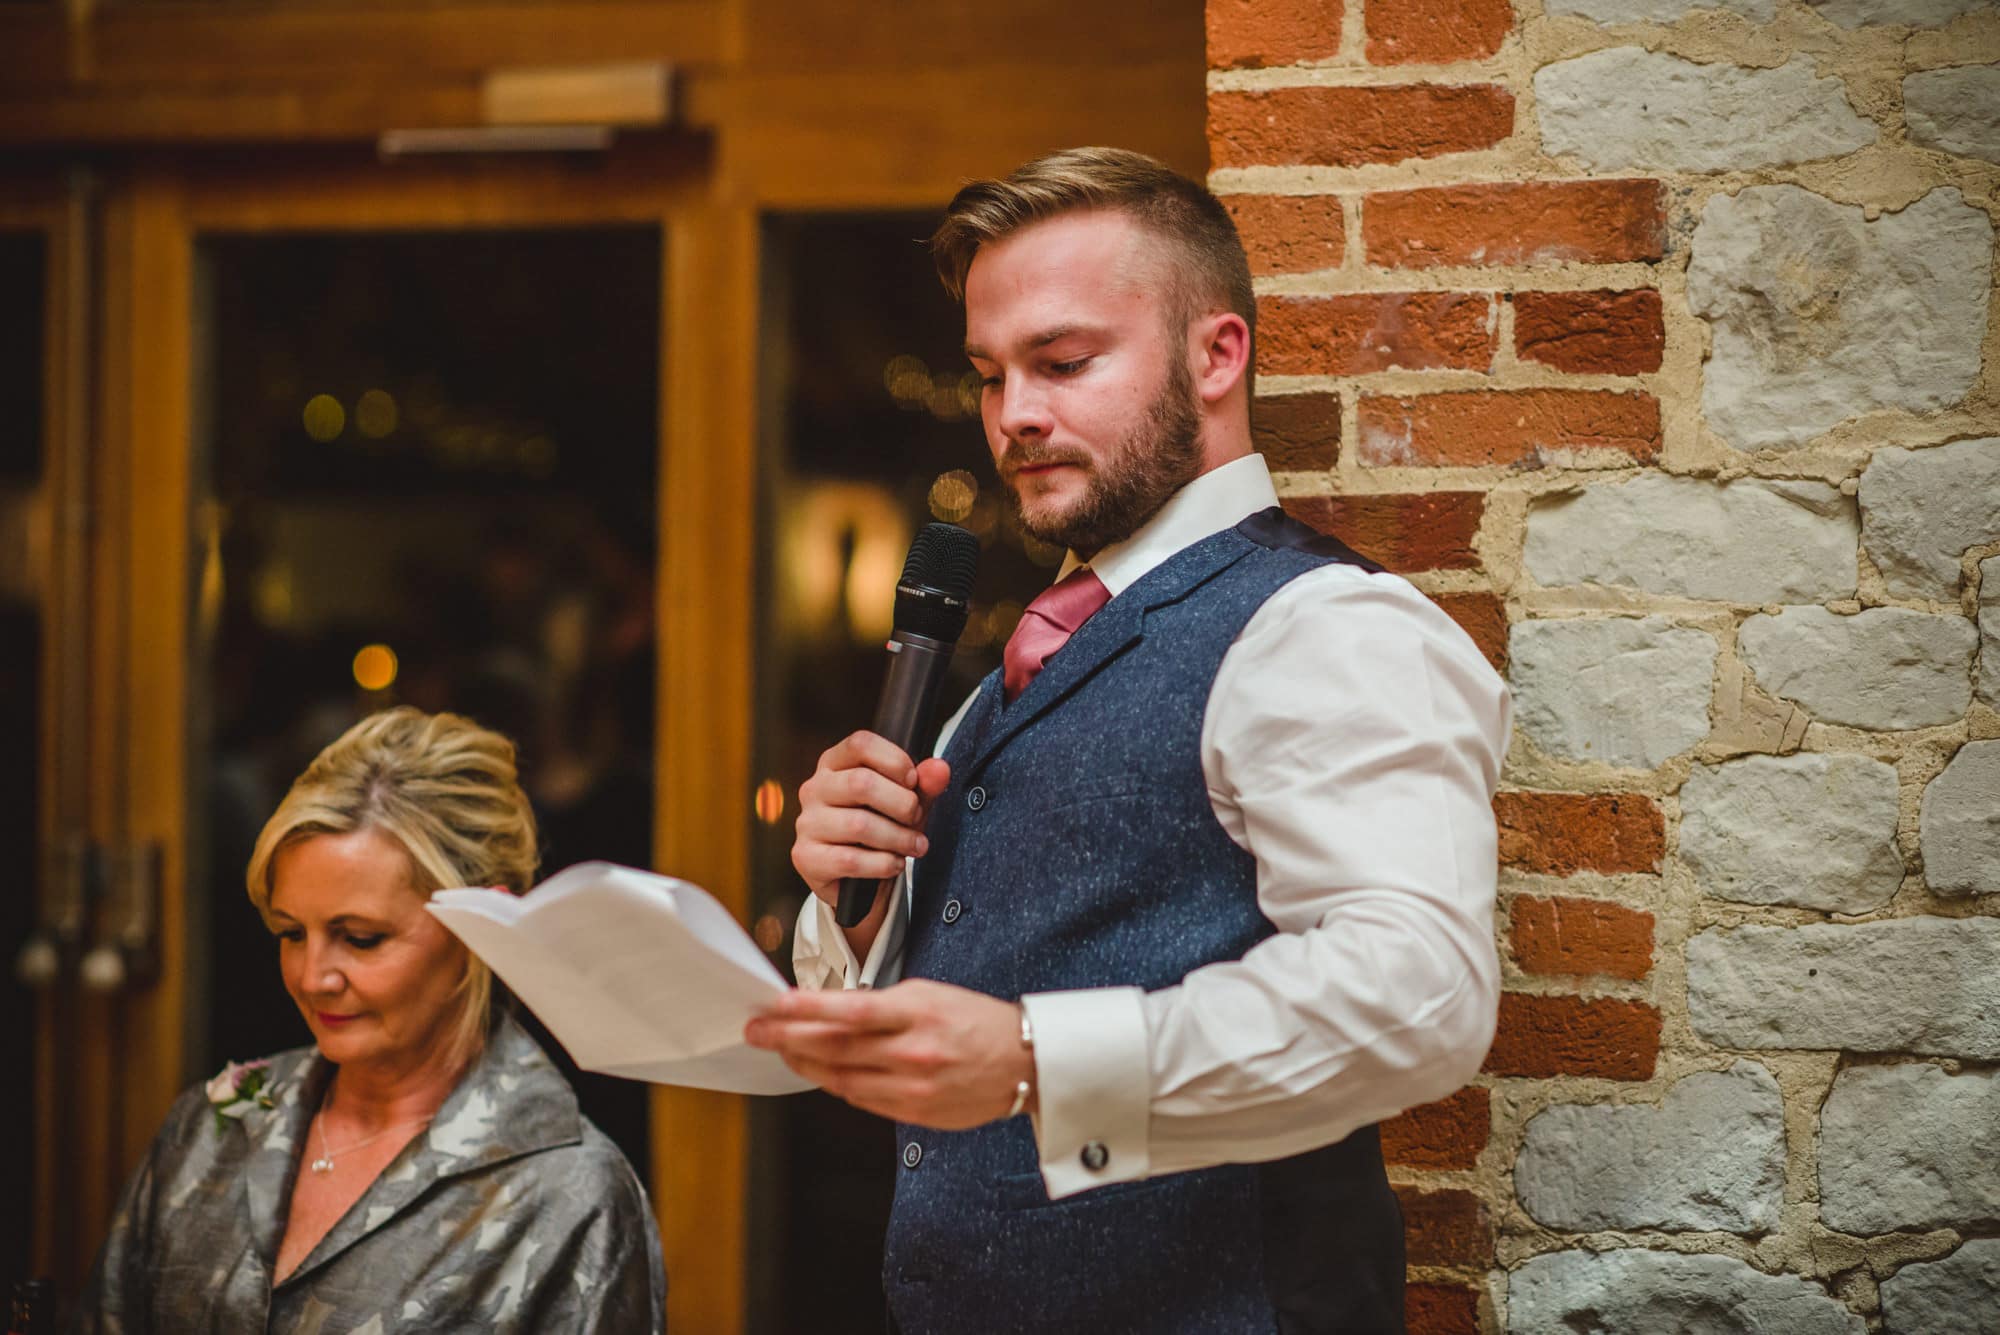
{"x": 446, "y": 791}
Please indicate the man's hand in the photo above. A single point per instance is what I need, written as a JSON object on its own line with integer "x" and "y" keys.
{"x": 861, "y": 813}
{"x": 921, "y": 1052}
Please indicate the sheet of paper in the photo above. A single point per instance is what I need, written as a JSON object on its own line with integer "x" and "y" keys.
{"x": 635, "y": 974}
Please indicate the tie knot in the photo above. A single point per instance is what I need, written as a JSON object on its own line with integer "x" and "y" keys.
{"x": 1047, "y": 624}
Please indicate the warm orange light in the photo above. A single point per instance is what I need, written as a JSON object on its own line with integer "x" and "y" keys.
{"x": 375, "y": 668}
{"x": 769, "y": 932}
{"x": 770, "y": 801}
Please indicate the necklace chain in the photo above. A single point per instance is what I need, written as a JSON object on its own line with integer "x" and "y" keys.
{"x": 324, "y": 1164}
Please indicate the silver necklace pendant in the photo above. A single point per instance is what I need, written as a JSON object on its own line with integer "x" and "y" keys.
{"x": 323, "y": 1164}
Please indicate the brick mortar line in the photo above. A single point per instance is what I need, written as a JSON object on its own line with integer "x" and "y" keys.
{"x": 1273, "y": 78}
{"x": 1495, "y": 281}
{"x": 1404, "y": 382}
{"x": 1865, "y": 178}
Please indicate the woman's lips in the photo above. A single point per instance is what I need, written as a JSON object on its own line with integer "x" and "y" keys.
{"x": 328, "y": 1018}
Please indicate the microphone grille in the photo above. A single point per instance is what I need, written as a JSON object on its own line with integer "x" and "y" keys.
{"x": 934, "y": 595}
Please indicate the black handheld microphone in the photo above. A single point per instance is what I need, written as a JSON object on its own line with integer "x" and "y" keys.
{"x": 932, "y": 600}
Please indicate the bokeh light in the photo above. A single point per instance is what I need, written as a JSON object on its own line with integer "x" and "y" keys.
{"x": 953, "y": 494}
{"x": 770, "y": 801}
{"x": 375, "y": 413}
{"x": 324, "y": 418}
{"x": 769, "y": 933}
{"x": 375, "y": 668}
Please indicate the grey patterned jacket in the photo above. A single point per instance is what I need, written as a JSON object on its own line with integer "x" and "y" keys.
{"x": 510, "y": 1213}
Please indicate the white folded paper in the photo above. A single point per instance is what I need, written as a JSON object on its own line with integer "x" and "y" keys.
{"x": 636, "y": 974}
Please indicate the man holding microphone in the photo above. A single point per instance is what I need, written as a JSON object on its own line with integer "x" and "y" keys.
{"x": 1200, "y": 886}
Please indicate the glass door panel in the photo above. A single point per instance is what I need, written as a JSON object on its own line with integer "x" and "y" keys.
{"x": 426, "y": 473}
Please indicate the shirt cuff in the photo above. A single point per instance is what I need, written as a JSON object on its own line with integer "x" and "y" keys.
{"x": 1093, "y": 1087}
{"x": 822, "y": 959}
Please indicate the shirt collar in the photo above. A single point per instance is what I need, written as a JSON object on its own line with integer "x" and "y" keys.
{"x": 1218, "y": 499}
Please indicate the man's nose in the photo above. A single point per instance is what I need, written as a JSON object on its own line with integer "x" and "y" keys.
{"x": 1024, "y": 409}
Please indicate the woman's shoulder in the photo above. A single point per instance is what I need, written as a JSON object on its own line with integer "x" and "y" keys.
{"x": 595, "y": 1166}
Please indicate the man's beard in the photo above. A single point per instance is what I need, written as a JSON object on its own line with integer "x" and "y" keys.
{"x": 1156, "y": 458}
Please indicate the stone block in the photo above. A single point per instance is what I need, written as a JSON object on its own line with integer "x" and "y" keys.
{"x": 1960, "y": 824}
{"x": 1921, "y": 985}
{"x": 1958, "y": 1295}
{"x": 1920, "y": 510}
{"x": 1820, "y": 316}
{"x": 1738, "y": 542}
{"x": 1989, "y": 631}
{"x": 1710, "y": 1157}
{"x": 1913, "y": 13}
{"x": 1630, "y": 109}
{"x": 1635, "y": 1290}
{"x": 1887, "y": 668}
{"x": 1656, "y": 11}
{"x": 1957, "y": 110}
{"x": 1622, "y": 691}
{"x": 1817, "y": 831}
{"x": 1909, "y": 1147}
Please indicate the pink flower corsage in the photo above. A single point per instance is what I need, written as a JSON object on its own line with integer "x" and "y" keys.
{"x": 239, "y": 1087}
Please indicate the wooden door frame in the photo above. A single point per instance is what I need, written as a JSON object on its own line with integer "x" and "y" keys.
{"x": 155, "y": 213}
{"x": 42, "y": 204}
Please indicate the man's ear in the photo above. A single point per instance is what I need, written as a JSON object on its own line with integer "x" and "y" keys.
{"x": 1220, "y": 348}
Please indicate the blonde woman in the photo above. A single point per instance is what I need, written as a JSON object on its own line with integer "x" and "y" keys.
{"x": 421, "y": 1167}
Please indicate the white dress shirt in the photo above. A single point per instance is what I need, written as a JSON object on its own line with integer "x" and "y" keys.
{"x": 1352, "y": 741}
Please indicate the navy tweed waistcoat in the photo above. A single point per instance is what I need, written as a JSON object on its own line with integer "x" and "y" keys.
{"x": 1076, "y": 847}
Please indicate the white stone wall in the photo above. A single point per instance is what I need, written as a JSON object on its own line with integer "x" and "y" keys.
{"x": 1787, "y": 629}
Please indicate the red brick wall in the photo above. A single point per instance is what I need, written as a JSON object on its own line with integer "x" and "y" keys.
{"x": 1434, "y": 314}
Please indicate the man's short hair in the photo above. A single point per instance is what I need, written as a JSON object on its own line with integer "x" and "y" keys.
{"x": 1205, "y": 257}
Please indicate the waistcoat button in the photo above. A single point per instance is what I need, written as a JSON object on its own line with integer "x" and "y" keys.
{"x": 975, "y": 798}
{"x": 913, "y": 1154}
{"x": 1094, "y": 1156}
{"x": 952, "y": 908}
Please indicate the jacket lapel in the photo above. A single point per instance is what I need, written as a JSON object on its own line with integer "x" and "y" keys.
{"x": 1118, "y": 625}
{"x": 277, "y": 1133}
{"x": 512, "y": 1102}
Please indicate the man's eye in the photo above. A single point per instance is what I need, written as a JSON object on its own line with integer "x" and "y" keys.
{"x": 1070, "y": 368}
{"x": 989, "y": 382}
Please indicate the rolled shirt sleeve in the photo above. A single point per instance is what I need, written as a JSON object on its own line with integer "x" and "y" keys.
{"x": 1352, "y": 744}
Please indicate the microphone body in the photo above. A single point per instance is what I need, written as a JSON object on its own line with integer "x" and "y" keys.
{"x": 932, "y": 600}
{"x": 917, "y": 666}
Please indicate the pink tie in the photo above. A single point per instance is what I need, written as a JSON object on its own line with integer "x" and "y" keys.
{"x": 1048, "y": 623}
